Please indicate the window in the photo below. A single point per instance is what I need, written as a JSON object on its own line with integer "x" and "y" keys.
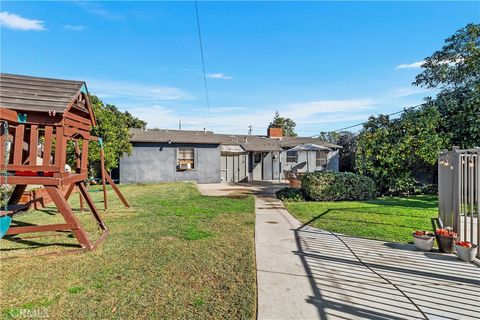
{"x": 185, "y": 159}
{"x": 321, "y": 158}
{"x": 292, "y": 156}
{"x": 257, "y": 157}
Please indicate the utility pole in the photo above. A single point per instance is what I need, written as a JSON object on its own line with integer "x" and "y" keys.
{"x": 179, "y": 124}
{"x": 250, "y": 130}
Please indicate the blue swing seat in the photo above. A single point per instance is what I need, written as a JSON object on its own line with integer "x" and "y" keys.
{"x": 6, "y": 216}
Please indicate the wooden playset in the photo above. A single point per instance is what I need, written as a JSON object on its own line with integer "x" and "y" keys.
{"x": 39, "y": 116}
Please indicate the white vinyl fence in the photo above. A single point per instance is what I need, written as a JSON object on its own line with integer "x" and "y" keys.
{"x": 459, "y": 192}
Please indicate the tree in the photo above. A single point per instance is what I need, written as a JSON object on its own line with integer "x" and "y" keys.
{"x": 287, "y": 124}
{"x": 113, "y": 127}
{"x": 398, "y": 154}
{"x": 330, "y": 137}
{"x": 455, "y": 71}
{"x": 347, "y": 141}
{"x": 134, "y": 122}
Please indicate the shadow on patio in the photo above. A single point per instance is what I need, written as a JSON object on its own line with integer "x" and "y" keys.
{"x": 377, "y": 280}
{"x": 264, "y": 188}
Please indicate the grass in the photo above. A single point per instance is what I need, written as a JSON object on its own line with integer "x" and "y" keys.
{"x": 175, "y": 254}
{"x": 386, "y": 218}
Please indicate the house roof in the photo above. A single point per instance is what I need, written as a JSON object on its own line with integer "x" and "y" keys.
{"x": 174, "y": 136}
{"x": 247, "y": 142}
{"x": 26, "y": 93}
{"x": 231, "y": 148}
{"x": 290, "y": 142}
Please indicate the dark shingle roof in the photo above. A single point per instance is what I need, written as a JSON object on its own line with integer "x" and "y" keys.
{"x": 36, "y": 94}
{"x": 175, "y": 136}
{"x": 248, "y": 142}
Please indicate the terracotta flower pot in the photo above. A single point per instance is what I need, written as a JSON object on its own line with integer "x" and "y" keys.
{"x": 424, "y": 242}
{"x": 446, "y": 244}
{"x": 295, "y": 183}
{"x": 465, "y": 253}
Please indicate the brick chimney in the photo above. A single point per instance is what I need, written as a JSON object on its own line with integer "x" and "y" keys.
{"x": 275, "y": 132}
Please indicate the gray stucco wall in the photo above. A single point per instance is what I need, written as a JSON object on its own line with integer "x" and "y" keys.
{"x": 157, "y": 162}
{"x": 256, "y": 169}
{"x": 310, "y": 156}
{"x": 333, "y": 161}
{"x": 267, "y": 166}
{"x": 234, "y": 167}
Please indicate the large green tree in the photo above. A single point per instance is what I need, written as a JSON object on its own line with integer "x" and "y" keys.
{"x": 396, "y": 153}
{"x": 287, "y": 124}
{"x": 455, "y": 72}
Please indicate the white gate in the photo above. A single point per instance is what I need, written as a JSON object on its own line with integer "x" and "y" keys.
{"x": 459, "y": 192}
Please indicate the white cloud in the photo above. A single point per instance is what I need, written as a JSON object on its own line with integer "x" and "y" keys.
{"x": 14, "y": 21}
{"x": 136, "y": 91}
{"x": 219, "y": 76}
{"x": 156, "y": 116}
{"x": 418, "y": 64}
{"x": 75, "y": 28}
{"x": 312, "y": 108}
{"x": 414, "y": 65}
{"x": 451, "y": 62}
{"x": 163, "y": 107}
{"x": 407, "y": 91}
{"x": 309, "y": 115}
{"x": 98, "y": 10}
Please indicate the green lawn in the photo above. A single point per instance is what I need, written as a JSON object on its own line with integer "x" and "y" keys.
{"x": 175, "y": 255}
{"x": 387, "y": 218}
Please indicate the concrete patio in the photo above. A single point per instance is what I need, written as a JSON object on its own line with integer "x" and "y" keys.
{"x": 307, "y": 273}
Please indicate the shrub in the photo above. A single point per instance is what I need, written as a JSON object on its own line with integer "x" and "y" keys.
{"x": 290, "y": 194}
{"x": 335, "y": 186}
{"x": 431, "y": 189}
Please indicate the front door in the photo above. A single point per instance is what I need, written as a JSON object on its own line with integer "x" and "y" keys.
{"x": 257, "y": 165}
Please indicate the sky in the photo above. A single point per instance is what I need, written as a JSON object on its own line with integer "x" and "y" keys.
{"x": 326, "y": 65}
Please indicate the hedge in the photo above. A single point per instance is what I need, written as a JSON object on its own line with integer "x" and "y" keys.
{"x": 290, "y": 194}
{"x": 337, "y": 186}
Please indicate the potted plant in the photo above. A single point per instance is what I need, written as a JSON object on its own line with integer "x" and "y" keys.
{"x": 423, "y": 240}
{"x": 294, "y": 180}
{"x": 446, "y": 239}
{"x": 465, "y": 250}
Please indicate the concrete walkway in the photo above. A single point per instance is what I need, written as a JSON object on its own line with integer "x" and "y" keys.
{"x": 307, "y": 273}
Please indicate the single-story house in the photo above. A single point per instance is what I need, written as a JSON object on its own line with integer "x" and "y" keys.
{"x": 206, "y": 157}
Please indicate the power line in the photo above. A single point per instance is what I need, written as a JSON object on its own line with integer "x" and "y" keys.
{"x": 359, "y": 124}
{"x": 203, "y": 58}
